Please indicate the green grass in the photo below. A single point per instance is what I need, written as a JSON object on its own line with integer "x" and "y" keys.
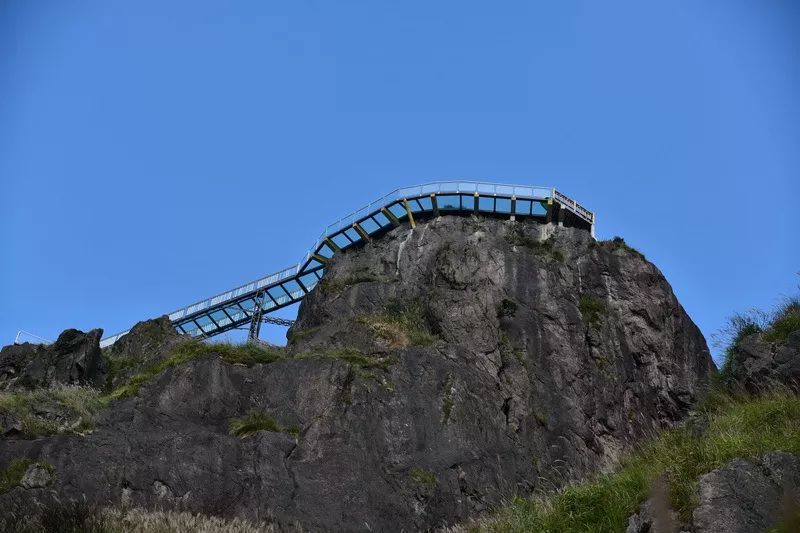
{"x": 259, "y": 421}
{"x": 774, "y": 326}
{"x": 546, "y": 249}
{"x": 81, "y": 404}
{"x": 12, "y": 476}
{"x": 618, "y": 243}
{"x": 424, "y": 477}
{"x": 243, "y": 354}
{"x": 738, "y": 427}
{"x": 591, "y": 308}
{"x": 116, "y": 366}
{"x": 295, "y": 335}
{"x": 334, "y": 286}
{"x": 354, "y": 357}
{"x": 81, "y": 516}
{"x": 785, "y": 320}
{"x": 401, "y": 324}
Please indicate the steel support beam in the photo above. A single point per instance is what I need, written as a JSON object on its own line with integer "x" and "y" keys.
{"x": 435, "y": 205}
{"x": 409, "y": 213}
{"x": 364, "y": 235}
{"x": 392, "y": 219}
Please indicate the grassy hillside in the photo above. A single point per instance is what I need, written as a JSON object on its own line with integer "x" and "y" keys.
{"x": 727, "y": 425}
{"x": 736, "y": 427}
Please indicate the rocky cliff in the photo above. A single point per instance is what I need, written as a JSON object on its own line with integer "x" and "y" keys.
{"x": 432, "y": 373}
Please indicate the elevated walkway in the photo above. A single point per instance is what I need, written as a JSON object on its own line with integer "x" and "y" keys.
{"x": 251, "y": 303}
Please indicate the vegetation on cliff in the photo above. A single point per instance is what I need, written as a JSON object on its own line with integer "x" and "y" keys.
{"x": 247, "y": 354}
{"x": 734, "y": 427}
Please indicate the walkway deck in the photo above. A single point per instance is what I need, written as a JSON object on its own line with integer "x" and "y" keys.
{"x": 237, "y": 307}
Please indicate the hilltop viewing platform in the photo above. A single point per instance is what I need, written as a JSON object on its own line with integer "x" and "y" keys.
{"x": 250, "y": 303}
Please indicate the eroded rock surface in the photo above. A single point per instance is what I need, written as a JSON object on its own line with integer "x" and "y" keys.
{"x": 146, "y": 344}
{"x": 758, "y": 365}
{"x": 434, "y": 372}
{"x": 74, "y": 359}
{"x": 749, "y": 496}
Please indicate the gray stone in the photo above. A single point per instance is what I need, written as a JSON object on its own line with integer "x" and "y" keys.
{"x": 504, "y": 383}
{"x": 746, "y": 496}
{"x": 36, "y": 477}
{"x": 10, "y": 425}
{"x": 758, "y": 365}
{"x": 146, "y": 344}
{"x": 74, "y": 359}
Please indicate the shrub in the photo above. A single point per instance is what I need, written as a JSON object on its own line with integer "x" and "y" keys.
{"x": 253, "y": 423}
{"x": 75, "y": 408}
{"x": 591, "y": 309}
{"x": 742, "y": 427}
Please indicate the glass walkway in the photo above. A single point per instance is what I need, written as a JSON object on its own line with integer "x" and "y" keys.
{"x": 250, "y": 302}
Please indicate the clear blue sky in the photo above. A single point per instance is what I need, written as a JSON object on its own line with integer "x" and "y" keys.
{"x": 155, "y": 153}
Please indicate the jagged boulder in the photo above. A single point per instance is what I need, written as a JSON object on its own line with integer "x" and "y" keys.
{"x": 434, "y": 372}
{"x": 74, "y": 359}
{"x": 146, "y": 344}
{"x": 749, "y": 496}
{"x": 757, "y": 365}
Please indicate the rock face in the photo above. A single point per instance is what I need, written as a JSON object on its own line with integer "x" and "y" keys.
{"x": 748, "y": 497}
{"x": 758, "y": 365}
{"x": 432, "y": 373}
{"x": 74, "y": 359}
{"x": 147, "y": 343}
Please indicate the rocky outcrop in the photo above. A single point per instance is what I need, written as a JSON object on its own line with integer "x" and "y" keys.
{"x": 146, "y": 344}
{"x": 757, "y": 365}
{"x": 741, "y": 497}
{"x": 74, "y": 359}
{"x": 432, "y": 373}
{"x": 749, "y": 497}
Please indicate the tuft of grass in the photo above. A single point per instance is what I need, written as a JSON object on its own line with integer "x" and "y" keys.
{"x": 774, "y": 326}
{"x": 12, "y": 476}
{"x": 81, "y": 516}
{"x": 742, "y": 427}
{"x": 591, "y": 308}
{"x": 546, "y": 249}
{"x": 295, "y": 335}
{"x": 618, "y": 243}
{"x": 354, "y": 357}
{"x": 76, "y": 406}
{"x": 424, "y": 477}
{"x": 334, "y": 286}
{"x": 117, "y": 366}
{"x": 785, "y": 320}
{"x": 248, "y": 354}
{"x": 401, "y": 324}
{"x": 255, "y": 422}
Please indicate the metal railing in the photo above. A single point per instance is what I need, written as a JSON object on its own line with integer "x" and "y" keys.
{"x": 482, "y": 189}
{"x": 22, "y": 335}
